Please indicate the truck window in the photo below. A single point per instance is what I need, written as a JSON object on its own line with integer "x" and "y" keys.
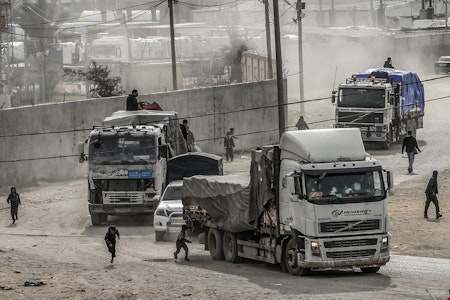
{"x": 345, "y": 187}
{"x": 298, "y": 185}
{"x": 366, "y": 98}
{"x": 123, "y": 150}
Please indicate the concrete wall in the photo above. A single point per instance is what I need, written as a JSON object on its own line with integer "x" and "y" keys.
{"x": 40, "y": 142}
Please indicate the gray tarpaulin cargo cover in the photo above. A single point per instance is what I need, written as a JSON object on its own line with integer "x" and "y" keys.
{"x": 233, "y": 201}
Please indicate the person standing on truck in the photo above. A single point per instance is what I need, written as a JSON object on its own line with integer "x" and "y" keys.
{"x": 431, "y": 192}
{"x": 181, "y": 243}
{"x": 410, "y": 144}
{"x": 14, "y": 201}
{"x": 184, "y": 129}
{"x": 132, "y": 102}
{"x": 228, "y": 144}
{"x": 388, "y": 63}
{"x": 110, "y": 239}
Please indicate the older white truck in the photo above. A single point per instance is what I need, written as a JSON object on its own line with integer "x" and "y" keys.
{"x": 127, "y": 162}
{"x": 316, "y": 201}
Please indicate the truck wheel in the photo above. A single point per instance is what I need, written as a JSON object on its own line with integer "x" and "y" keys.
{"x": 215, "y": 243}
{"x": 96, "y": 219}
{"x": 230, "y": 247}
{"x": 159, "y": 235}
{"x": 370, "y": 270}
{"x": 290, "y": 260}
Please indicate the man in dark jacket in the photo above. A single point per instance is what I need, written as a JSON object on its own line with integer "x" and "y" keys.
{"x": 14, "y": 200}
{"x": 181, "y": 243}
{"x": 228, "y": 144}
{"x": 184, "y": 128}
{"x": 132, "y": 102}
{"x": 410, "y": 144}
{"x": 431, "y": 191}
{"x": 388, "y": 63}
{"x": 110, "y": 239}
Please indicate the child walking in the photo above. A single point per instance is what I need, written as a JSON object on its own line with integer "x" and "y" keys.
{"x": 181, "y": 243}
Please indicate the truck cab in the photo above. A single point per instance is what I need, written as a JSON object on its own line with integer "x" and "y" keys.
{"x": 333, "y": 201}
{"x": 127, "y": 168}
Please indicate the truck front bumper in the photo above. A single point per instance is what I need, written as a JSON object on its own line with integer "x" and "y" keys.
{"x": 345, "y": 252}
{"x": 118, "y": 209}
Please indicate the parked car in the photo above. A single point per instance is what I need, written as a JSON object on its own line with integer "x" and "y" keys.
{"x": 168, "y": 216}
{"x": 442, "y": 65}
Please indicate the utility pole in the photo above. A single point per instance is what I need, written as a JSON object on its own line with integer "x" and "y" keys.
{"x": 300, "y": 56}
{"x": 172, "y": 45}
{"x": 268, "y": 40}
{"x": 6, "y": 44}
{"x": 280, "y": 86}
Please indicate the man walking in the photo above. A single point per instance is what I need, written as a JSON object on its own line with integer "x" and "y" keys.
{"x": 431, "y": 192}
{"x": 110, "y": 239}
{"x": 14, "y": 200}
{"x": 410, "y": 144}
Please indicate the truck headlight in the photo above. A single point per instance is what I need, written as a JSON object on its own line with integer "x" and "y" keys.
{"x": 384, "y": 243}
{"x": 161, "y": 212}
{"x": 315, "y": 248}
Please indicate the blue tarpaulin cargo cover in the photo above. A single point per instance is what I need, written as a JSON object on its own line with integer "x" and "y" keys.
{"x": 412, "y": 94}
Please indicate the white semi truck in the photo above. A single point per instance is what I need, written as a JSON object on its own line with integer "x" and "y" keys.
{"x": 316, "y": 201}
{"x": 127, "y": 162}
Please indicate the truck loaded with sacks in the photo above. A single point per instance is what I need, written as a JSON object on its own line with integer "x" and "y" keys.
{"x": 316, "y": 201}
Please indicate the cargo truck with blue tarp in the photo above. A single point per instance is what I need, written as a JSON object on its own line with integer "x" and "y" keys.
{"x": 383, "y": 103}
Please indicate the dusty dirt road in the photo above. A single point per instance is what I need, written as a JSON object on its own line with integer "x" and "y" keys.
{"x": 54, "y": 242}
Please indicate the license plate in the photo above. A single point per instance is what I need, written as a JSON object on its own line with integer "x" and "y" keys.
{"x": 349, "y": 262}
{"x": 122, "y": 209}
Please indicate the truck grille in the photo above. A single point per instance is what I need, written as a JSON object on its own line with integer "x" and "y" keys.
{"x": 360, "y": 117}
{"x": 350, "y": 226}
{"x": 123, "y": 197}
{"x": 350, "y": 243}
{"x": 351, "y": 254}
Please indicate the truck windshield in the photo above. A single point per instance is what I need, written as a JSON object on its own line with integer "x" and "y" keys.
{"x": 362, "y": 98}
{"x": 113, "y": 149}
{"x": 345, "y": 187}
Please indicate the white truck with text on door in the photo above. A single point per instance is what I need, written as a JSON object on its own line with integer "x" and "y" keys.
{"x": 316, "y": 201}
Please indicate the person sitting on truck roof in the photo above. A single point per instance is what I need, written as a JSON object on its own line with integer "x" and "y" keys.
{"x": 388, "y": 63}
{"x": 132, "y": 102}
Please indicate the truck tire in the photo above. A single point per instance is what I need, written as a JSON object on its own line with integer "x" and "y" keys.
{"x": 290, "y": 260}
{"x": 215, "y": 243}
{"x": 159, "y": 235}
{"x": 370, "y": 270}
{"x": 230, "y": 247}
{"x": 96, "y": 219}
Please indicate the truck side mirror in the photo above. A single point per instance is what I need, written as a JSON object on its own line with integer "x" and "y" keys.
{"x": 333, "y": 97}
{"x": 163, "y": 151}
{"x": 390, "y": 182}
{"x": 82, "y": 157}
